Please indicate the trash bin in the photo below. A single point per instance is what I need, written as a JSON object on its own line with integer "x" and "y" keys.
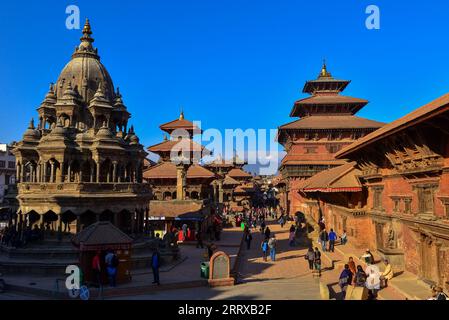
{"x": 205, "y": 270}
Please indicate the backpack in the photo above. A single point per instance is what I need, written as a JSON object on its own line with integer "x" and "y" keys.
{"x": 265, "y": 246}
{"x": 114, "y": 261}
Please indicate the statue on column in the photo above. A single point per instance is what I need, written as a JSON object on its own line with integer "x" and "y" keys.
{"x": 391, "y": 241}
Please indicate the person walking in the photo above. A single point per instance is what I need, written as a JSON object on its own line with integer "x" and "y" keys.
{"x": 267, "y": 233}
{"x": 272, "y": 245}
{"x": 332, "y": 239}
{"x": 111, "y": 261}
{"x": 248, "y": 239}
{"x": 324, "y": 237}
{"x": 291, "y": 238}
{"x": 155, "y": 264}
{"x": 96, "y": 268}
{"x": 310, "y": 256}
{"x": 262, "y": 227}
{"x": 282, "y": 221}
{"x": 199, "y": 239}
{"x": 184, "y": 231}
{"x": 264, "y": 247}
{"x": 317, "y": 261}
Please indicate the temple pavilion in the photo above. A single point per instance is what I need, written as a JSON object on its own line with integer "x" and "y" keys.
{"x": 82, "y": 162}
{"x": 181, "y": 186}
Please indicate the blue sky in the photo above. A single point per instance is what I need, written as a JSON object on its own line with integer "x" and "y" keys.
{"x": 230, "y": 64}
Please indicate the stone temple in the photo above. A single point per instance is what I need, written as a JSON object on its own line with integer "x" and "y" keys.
{"x": 82, "y": 162}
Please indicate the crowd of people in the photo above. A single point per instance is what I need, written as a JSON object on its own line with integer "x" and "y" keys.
{"x": 12, "y": 237}
{"x": 371, "y": 278}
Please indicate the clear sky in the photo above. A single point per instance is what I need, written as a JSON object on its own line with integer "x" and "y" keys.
{"x": 229, "y": 63}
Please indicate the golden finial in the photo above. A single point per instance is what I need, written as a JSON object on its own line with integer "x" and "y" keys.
{"x": 324, "y": 73}
{"x": 181, "y": 116}
{"x": 87, "y": 29}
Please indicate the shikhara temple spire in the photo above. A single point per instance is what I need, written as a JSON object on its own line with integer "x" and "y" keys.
{"x": 86, "y": 41}
{"x": 87, "y": 32}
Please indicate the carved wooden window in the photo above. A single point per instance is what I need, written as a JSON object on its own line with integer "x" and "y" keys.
{"x": 2, "y": 164}
{"x": 425, "y": 197}
{"x": 334, "y": 148}
{"x": 397, "y": 203}
{"x": 377, "y": 198}
{"x": 311, "y": 149}
{"x": 408, "y": 206}
{"x": 446, "y": 210}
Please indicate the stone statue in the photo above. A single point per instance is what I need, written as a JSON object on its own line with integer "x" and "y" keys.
{"x": 391, "y": 242}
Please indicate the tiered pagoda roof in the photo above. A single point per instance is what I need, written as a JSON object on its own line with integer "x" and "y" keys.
{"x": 167, "y": 170}
{"x": 180, "y": 124}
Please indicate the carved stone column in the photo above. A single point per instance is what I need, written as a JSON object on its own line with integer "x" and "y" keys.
{"x": 114, "y": 171}
{"x": 98, "y": 171}
{"x": 52, "y": 171}
{"x": 220, "y": 191}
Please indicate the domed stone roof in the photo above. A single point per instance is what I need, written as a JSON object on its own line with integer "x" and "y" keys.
{"x": 31, "y": 133}
{"x": 85, "y": 71}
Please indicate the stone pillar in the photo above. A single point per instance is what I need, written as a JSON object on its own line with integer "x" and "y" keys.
{"x": 38, "y": 173}
{"x": 147, "y": 214}
{"x": 92, "y": 171}
{"x": 220, "y": 191}
{"x": 114, "y": 171}
{"x": 133, "y": 221}
{"x": 59, "y": 176}
{"x": 31, "y": 173}
{"x": 52, "y": 172}
{"x": 181, "y": 172}
{"x": 98, "y": 171}
{"x": 22, "y": 173}
{"x": 69, "y": 172}
{"x": 18, "y": 166}
{"x": 44, "y": 174}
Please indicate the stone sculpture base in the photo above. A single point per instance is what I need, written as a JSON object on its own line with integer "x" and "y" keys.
{"x": 226, "y": 282}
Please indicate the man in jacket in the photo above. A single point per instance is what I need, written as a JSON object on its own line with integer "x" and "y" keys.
{"x": 332, "y": 239}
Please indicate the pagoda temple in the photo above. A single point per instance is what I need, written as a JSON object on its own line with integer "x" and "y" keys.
{"x": 82, "y": 163}
{"x": 181, "y": 186}
{"x": 327, "y": 122}
{"x": 233, "y": 188}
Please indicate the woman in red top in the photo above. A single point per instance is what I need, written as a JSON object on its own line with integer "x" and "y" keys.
{"x": 96, "y": 268}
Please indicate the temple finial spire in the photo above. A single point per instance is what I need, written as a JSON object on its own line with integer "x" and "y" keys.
{"x": 324, "y": 73}
{"x": 87, "y": 31}
{"x": 181, "y": 116}
{"x": 86, "y": 41}
{"x": 31, "y": 126}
